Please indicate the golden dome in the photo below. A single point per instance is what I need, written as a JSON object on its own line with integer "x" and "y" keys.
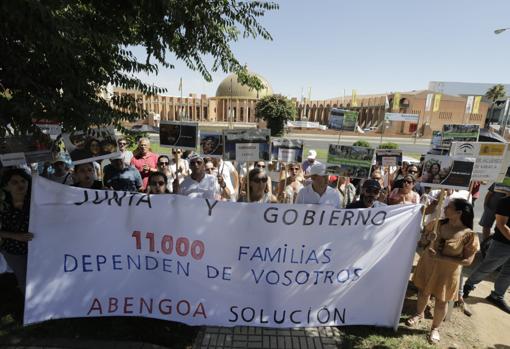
{"x": 242, "y": 91}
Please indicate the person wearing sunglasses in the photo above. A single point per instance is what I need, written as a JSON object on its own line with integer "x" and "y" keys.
{"x": 318, "y": 191}
{"x": 414, "y": 171}
{"x": 258, "y": 191}
{"x": 370, "y": 191}
{"x": 404, "y": 195}
{"x": 378, "y": 176}
{"x": 288, "y": 194}
{"x": 127, "y": 155}
{"x": 200, "y": 184}
{"x": 164, "y": 167}
{"x": 158, "y": 183}
{"x": 118, "y": 176}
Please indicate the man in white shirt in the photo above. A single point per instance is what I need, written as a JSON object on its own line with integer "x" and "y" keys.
{"x": 370, "y": 192}
{"x": 318, "y": 192}
{"x": 202, "y": 185}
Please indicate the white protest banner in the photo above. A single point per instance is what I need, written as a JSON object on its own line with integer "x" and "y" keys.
{"x": 303, "y": 124}
{"x": 401, "y": 117}
{"x": 489, "y": 158}
{"x": 13, "y": 159}
{"x": 105, "y": 253}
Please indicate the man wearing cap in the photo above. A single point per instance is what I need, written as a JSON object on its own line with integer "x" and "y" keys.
{"x": 310, "y": 160}
{"x": 200, "y": 184}
{"x": 370, "y": 191}
{"x": 61, "y": 173}
{"x": 318, "y": 192}
{"x": 119, "y": 176}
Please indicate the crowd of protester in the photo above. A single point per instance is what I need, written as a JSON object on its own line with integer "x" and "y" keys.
{"x": 448, "y": 240}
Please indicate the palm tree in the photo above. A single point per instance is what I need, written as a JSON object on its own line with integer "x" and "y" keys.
{"x": 494, "y": 93}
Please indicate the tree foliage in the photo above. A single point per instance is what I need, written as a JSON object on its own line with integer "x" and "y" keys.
{"x": 275, "y": 110}
{"x": 57, "y": 56}
{"x": 495, "y": 92}
{"x": 361, "y": 143}
{"x": 388, "y": 145}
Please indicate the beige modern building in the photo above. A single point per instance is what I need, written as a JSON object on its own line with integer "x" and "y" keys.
{"x": 236, "y": 103}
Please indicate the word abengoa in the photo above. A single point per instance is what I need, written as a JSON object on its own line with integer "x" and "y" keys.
{"x": 401, "y": 117}
{"x": 170, "y": 257}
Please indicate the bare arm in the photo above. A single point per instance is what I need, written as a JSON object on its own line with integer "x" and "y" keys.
{"x": 501, "y": 225}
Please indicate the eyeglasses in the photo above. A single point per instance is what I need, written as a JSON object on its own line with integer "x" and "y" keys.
{"x": 122, "y": 143}
{"x": 163, "y": 163}
{"x": 259, "y": 180}
{"x": 160, "y": 183}
{"x": 260, "y": 166}
{"x": 409, "y": 182}
{"x": 196, "y": 163}
{"x": 176, "y": 152}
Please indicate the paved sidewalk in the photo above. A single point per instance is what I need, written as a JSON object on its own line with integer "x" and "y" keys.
{"x": 268, "y": 338}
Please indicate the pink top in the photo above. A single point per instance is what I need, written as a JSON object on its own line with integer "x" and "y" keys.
{"x": 151, "y": 160}
{"x": 415, "y": 197}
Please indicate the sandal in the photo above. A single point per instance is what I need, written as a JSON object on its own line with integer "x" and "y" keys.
{"x": 434, "y": 336}
{"x": 414, "y": 320}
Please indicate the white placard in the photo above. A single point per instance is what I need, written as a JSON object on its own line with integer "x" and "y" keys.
{"x": 286, "y": 155}
{"x": 389, "y": 161}
{"x": 215, "y": 263}
{"x": 489, "y": 158}
{"x": 401, "y": 117}
{"x": 247, "y": 152}
{"x": 13, "y": 159}
{"x": 52, "y": 130}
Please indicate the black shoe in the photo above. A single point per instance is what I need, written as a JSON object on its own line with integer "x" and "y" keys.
{"x": 500, "y": 303}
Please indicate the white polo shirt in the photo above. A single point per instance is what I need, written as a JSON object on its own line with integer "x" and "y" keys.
{"x": 207, "y": 188}
{"x": 307, "y": 195}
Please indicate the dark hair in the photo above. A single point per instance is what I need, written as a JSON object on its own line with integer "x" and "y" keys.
{"x": 6, "y": 177}
{"x": 163, "y": 156}
{"x": 159, "y": 174}
{"x": 255, "y": 172}
{"x": 467, "y": 215}
{"x": 76, "y": 167}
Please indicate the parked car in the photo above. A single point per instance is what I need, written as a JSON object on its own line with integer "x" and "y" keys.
{"x": 145, "y": 128}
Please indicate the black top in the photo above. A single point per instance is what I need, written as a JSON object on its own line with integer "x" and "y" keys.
{"x": 14, "y": 220}
{"x": 356, "y": 204}
{"x": 503, "y": 209}
{"x": 95, "y": 185}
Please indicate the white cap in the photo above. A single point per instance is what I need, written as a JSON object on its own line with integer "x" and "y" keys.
{"x": 312, "y": 154}
{"x": 318, "y": 169}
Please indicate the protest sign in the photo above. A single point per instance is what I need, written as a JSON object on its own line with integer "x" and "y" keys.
{"x": 446, "y": 172}
{"x": 349, "y": 161}
{"x": 401, "y": 117}
{"x": 13, "y": 159}
{"x": 344, "y": 120}
{"x": 174, "y": 134}
{"x": 303, "y": 124}
{"x": 247, "y": 145}
{"x": 459, "y": 133}
{"x": 211, "y": 144}
{"x": 170, "y": 257}
{"x": 287, "y": 150}
{"x": 35, "y": 147}
{"x": 488, "y": 158}
{"x": 388, "y": 157}
{"x": 436, "y": 141}
{"x": 92, "y": 145}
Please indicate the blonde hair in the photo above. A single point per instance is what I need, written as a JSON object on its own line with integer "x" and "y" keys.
{"x": 137, "y": 152}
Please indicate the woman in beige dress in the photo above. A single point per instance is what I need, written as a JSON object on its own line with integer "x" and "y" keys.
{"x": 439, "y": 267}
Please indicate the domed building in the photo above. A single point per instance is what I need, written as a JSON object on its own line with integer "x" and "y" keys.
{"x": 236, "y": 102}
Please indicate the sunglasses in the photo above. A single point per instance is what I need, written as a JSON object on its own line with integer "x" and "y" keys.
{"x": 163, "y": 163}
{"x": 176, "y": 152}
{"x": 294, "y": 169}
{"x": 122, "y": 143}
{"x": 409, "y": 182}
{"x": 259, "y": 180}
{"x": 160, "y": 183}
{"x": 260, "y": 166}
{"x": 196, "y": 163}
{"x": 209, "y": 169}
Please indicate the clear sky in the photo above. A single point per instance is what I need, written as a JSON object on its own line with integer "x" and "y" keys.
{"x": 372, "y": 46}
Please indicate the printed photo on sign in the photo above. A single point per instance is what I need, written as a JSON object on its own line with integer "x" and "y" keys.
{"x": 247, "y": 145}
{"x": 446, "y": 172}
{"x": 36, "y": 148}
{"x": 459, "y": 133}
{"x": 349, "y": 161}
{"x": 95, "y": 144}
{"x": 388, "y": 157}
{"x": 287, "y": 150}
{"x": 178, "y": 134}
{"x": 489, "y": 158}
{"x": 211, "y": 144}
{"x": 344, "y": 120}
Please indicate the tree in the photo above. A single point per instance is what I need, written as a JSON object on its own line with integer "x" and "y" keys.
{"x": 388, "y": 145}
{"x": 275, "y": 110}
{"x": 57, "y": 56}
{"x": 361, "y": 143}
{"x": 495, "y": 92}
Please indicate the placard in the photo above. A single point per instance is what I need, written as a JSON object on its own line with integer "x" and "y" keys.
{"x": 488, "y": 158}
{"x": 401, "y": 117}
{"x": 175, "y": 134}
{"x": 459, "y": 133}
{"x": 13, "y": 159}
{"x": 95, "y": 144}
{"x": 215, "y": 263}
{"x": 388, "y": 157}
{"x": 350, "y": 161}
{"x": 344, "y": 120}
{"x": 52, "y": 130}
{"x": 287, "y": 150}
{"x": 211, "y": 144}
{"x": 247, "y": 152}
{"x": 36, "y": 148}
{"x": 261, "y": 137}
{"x": 447, "y": 172}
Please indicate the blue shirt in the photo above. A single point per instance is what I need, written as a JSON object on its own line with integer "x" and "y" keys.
{"x": 127, "y": 179}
